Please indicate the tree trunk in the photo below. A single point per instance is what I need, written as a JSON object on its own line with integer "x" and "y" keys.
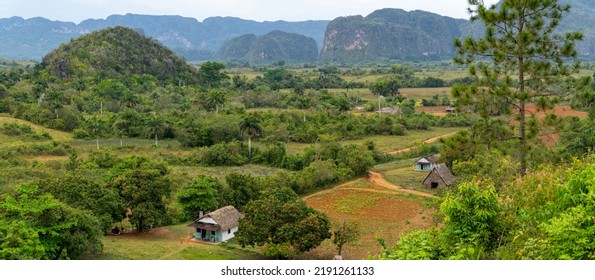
{"x": 217, "y": 108}
{"x": 156, "y": 140}
{"x": 249, "y": 148}
{"x": 522, "y": 128}
{"x": 121, "y": 141}
{"x": 97, "y": 142}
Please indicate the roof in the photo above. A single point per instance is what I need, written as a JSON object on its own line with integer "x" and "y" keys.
{"x": 444, "y": 173}
{"x": 427, "y": 159}
{"x": 388, "y": 110}
{"x": 226, "y": 218}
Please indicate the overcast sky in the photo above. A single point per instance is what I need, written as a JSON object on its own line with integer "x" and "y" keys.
{"x": 260, "y": 10}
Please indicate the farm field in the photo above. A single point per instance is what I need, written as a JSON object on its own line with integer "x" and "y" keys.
{"x": 383, "y": 143}
{"x": 380, "y": 213}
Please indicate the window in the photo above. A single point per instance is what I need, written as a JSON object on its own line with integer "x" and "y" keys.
{"x": 229, "y": 231}
{"x": 212, "y": 232}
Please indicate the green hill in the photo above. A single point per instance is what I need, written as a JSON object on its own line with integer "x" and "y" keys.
{"x": 274, "y": 46}
{"x": 113, "y": 52}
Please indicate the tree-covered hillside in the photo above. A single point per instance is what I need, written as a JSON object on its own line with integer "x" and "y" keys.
{"x": 274, "y": 46}
{"x": 114, "y": 52}
{"x": 391, "y": 34}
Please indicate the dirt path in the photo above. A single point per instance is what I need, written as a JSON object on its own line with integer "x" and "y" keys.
{"x": 429, "y": 141}
{"x": 378, "y": 180}
{"x": 331, "y": 189}
{"x": 375, "y": 179}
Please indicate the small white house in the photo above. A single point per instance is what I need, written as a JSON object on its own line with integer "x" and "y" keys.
{"x": 426, "y": 163}
{"x": 217, "y": 226}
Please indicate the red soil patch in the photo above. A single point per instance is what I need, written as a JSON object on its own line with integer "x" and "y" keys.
{"x": 550, "y": 140}
{"x": 561, "y": 110}
{"x": 380, "y": 214}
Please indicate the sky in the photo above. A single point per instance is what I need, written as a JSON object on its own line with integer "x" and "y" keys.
{"x": 259, "y": 10}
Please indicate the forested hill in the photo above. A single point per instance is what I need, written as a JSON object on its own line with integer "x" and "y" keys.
{"x": 394, "y": 34}
{"x": 274, "y": 46}
{"x": 113, "y": 52}
{"x": 33, "y": 38}
{"x": 391, "y": 34}
{"x": 387, "y": 34}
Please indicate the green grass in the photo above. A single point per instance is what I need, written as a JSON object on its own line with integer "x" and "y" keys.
{"x": 148, "y": 246}
{"x": 56, "y": 134}
{"x": 407, "y": 177}
{"x": 222, "y": 171}
{"x": 383, "y": 143}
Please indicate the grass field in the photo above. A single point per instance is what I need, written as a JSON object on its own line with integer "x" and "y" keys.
{"x": 385, "y": 143}
{"x": 168, "y": 243}
{"x": 56, "y": 134}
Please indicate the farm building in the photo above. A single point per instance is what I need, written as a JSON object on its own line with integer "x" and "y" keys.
{"x": 388, "y": 110}
{"x": 439, "y": 177}
{"x": 426, "y": 163}
{"x": 450, "y": 109}
{"x": 217, "y": 226}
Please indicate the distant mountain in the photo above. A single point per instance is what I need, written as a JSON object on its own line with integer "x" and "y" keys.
{"x": 384, "y": 35}
{"x": 391, "y": 34}
{"x": 394, "y": 34}
{"x": 114, "y": 52}
{"x": 32, "y": 38}
{"x": 274, "y": 46}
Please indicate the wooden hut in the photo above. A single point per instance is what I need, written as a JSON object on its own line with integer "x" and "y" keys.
{"x": 439, "y": 177}
{"x": 217, "y": 226}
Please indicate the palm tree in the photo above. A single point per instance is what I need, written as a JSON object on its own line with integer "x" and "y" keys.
{"x": 250, "y": 126}
{"x": 157, "y": 126}
{"x": 96, "y": 126}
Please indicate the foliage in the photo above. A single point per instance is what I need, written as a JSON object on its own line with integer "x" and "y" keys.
{"x": 280, "y": 219}
{"x": 37, "y": 226}
{"x": 471, "y": 214}
{"x": 143, "y": 192}
{"x": 199, "y": 195}
{"x": 388, "y": 86}
{"x": 23, "y": 130}
{"x": 91, "y": 55}
{"x": 79, "y": 192}
{"x": 528, "y": 61}
{"x": 344, "y": 233}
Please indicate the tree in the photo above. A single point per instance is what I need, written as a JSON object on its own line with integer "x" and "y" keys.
{"x": 81, "y": 193}
{"x": 519, "y": 60}
{"x": 157, "y": 126}
{"x": 387, "y": 86}
{"x": 97, "y": 127}
{"x": 143, "y": 191}
{"x": 34, "y": 225}
{"x": 242, "y": 189}
{"x": 344, "y": 233}
{"x": 210, "y": 74}
{"x": 250, "y": 126}
{"x": 282, "y": 223}
{"x": 199, "y": 195}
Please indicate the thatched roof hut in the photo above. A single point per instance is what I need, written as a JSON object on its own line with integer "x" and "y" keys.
{"x": 224, "y": 218}
{"x": 439, "y": 177}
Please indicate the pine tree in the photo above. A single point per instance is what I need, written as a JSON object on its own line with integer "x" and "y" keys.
{"x": 520, "y": 60}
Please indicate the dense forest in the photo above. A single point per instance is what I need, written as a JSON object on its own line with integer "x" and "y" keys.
{"x": 114, "y": 133}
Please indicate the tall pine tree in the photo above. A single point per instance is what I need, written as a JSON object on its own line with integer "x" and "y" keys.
{"x": 520, "y": 60}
